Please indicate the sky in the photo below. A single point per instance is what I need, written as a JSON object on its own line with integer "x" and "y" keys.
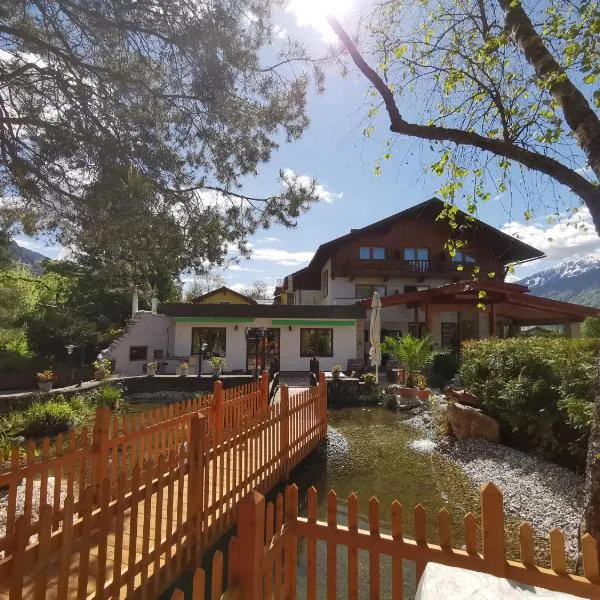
{"x": 334, "y": 151}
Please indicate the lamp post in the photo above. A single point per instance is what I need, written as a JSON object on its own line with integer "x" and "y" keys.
{"x": 69, "y": 348}
{"x": 202, "y": 346}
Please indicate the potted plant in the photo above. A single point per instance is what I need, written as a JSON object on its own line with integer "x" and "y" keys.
{"x": 45, "y": 379}
{"x": 217, "y": 363}
{"x": 422, "y": 389}
{"x": 184, "y": 365}
{"x": 102, "y": 369}
{"x": 151, "y": 368}
{"x": 413, "y": 354}
{"x": 336, "y": 370}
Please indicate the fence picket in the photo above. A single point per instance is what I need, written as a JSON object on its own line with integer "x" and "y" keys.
{"x": 558, "y": 561}
{"x": 331, "y": 547}
{"x": 44, "y": 540}
{"x": 444, "y": 529}
{"x": 397, "y": 574}
{"x": 352, "y": 552}
{"x": 526, "y": 544}
{"x": 66, "y": 548}
{"x": 216, "y": 584}
{"x": 420, "y": 536}
{"x": 86, "y": 534}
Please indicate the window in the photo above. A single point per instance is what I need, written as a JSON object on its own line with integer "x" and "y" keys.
{"x": 463, "y": 257}
{"x": 416, "y": 253}
{"x": 325, "y": 283}
{"x": 368, "y": 252}
{"x": 138, "y": 352}
{"x": 158, "y": 354}
{"x": 215, "y": 338}
{"x": 317, "y": 341}
{"x": 364, "y": 291}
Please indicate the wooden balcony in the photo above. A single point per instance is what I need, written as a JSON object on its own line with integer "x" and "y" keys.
{"x": 406, "y": 268}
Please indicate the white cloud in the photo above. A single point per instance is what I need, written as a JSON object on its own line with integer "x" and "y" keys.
{"x": 241, "y": 288}
{"x": 268, "y": 240}
{"x": 280, "y": 32}
{"x": 245, "y": 269}
{"x": 282, "y": 257}
{"x": 322, "y": 192}
{"x": 570, "y": 236}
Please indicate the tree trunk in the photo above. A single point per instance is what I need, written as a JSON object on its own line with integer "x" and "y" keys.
{"x": 591, "y": 497}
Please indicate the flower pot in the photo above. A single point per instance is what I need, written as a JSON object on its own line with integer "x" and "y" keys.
{"x": 183, "y": 371}
{"x": 423, "y": 394}
{"x": 45, "y": 386}
{"x": 151, "y": 371}
{"x": 408, "y": 392}
{"x": 216, "y": 371}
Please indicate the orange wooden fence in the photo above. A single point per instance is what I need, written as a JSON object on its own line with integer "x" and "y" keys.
{"x": 263, "y": 558}
{"x": 129, "y": 530}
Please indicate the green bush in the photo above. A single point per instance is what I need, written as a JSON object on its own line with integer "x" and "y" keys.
{"x": 590, "y": 328}
{"x": 539, "y": 389}
{"x": 49, "y": 419}
{"x": 107, "y": 395}
{"x": 444, "y": 367}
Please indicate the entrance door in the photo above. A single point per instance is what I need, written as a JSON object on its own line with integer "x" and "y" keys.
{"x": 268, "y": 350}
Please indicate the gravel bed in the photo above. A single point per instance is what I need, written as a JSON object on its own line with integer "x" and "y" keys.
{"x": 535, "y": 490}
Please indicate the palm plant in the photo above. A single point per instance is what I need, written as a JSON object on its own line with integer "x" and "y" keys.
{"x": 412, "y": 353}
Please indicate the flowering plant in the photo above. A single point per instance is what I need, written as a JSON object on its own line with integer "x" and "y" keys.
{"x": 47, "y": 375}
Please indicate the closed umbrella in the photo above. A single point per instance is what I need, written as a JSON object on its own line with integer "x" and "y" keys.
{"x": 375, "y": 334}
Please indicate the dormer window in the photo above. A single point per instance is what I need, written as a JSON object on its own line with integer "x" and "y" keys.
{"x": 372, "y": 253}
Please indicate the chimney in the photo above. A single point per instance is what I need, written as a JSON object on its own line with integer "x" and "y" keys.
{"x": 134, "y": 303}
{"x": 154, "y": 305}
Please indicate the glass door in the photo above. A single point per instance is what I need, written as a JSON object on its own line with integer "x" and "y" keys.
{"x": 267, "y": 351}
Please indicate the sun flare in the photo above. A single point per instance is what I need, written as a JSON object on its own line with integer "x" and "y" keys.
{"x": 314, "y": 13}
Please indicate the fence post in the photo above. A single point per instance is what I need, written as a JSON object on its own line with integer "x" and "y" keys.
{"x": 284, "y": 431}
{"x": 492, "y": 522}
{"x": 322, "y": 405}
{"x": 100, "y": 450}
{"x": 250, "y": 545}
{"x": 264, "y": 390}
{"x": 196, "y": 457}
{"x": 218, "y": 411}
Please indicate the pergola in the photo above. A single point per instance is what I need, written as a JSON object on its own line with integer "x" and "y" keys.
{"x": 509, "y": 300}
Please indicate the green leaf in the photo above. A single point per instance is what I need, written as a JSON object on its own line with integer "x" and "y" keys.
{"x": 377, "y": 171}
{"x": 492, "y": 274}
{"x": 459, "y": 268}
{"x": 590, "y": 78}
{"x": 527, "y": 214}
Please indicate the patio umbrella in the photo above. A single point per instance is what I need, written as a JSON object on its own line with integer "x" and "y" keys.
{"x": 375, "y": 334}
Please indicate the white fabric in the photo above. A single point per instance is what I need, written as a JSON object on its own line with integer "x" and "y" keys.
{"x": 375, "y": 334}
{"x": 451, "y": 583}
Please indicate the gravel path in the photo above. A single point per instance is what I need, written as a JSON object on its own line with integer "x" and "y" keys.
{"x": 537, "y": 491}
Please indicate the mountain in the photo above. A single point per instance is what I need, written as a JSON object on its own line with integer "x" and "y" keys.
{"x": 26, "y": 256}
{"x": 576, "y": 280}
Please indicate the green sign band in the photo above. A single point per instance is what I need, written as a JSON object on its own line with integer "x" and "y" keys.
{"x": 314, "y": 322}
{"x": 214, "y": 319}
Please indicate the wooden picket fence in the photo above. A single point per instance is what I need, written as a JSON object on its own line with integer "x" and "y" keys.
{"x": 129, "y": 530}
{"x": 262, "y": 561}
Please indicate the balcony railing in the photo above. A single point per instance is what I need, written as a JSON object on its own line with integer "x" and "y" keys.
{"x": 399, "y": 267}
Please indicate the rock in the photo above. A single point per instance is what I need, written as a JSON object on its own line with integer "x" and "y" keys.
{"x": 408, "y": 403}
{"x": 468, "y": 422}
{"x": 390, "y": 401}
{"x": 393, "y": 388}
{"x": 461, "y": 395}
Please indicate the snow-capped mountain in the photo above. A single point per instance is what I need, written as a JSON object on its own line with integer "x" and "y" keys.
{"x": 576, "y": 280}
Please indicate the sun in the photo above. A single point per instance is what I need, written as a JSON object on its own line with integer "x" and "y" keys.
{"x": 314, "y": 13}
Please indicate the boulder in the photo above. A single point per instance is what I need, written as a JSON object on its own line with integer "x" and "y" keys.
{"x": 408, "y": 403}
{"x": 461, "y": 395}
{"x": 468, "y": 422}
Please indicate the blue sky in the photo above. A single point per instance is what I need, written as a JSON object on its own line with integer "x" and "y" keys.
{"x": 334, "y": 151}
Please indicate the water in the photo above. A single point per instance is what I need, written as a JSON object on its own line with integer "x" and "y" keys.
{"x": 372, "y": 452}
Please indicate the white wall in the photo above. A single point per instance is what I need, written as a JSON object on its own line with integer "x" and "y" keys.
{"x": 344, "y": 345}
{"x": 344, "y": 287}
{"x": 148, "y": 330}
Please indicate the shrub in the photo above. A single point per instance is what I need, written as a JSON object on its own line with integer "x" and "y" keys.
{"x": 49, "y": 419}
{"x": 444, "y": 367}
{"x": 539, "y": 389}
{"x": 590, "y": 328}
{"x": 107, "y": 395}
{"x": 412, "y": 353}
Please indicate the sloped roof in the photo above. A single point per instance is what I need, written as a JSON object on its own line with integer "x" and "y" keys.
{"x": 223, "y": 289}
{"x": 507, "y": 247}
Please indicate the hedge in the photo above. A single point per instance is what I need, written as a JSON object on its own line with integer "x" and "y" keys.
{"x": 540, "y": 390}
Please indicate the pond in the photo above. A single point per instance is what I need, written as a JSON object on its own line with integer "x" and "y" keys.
{"x": 373, "y": 452}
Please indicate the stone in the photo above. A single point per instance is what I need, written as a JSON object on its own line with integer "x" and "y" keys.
{"x": 408, "y": 403}
{"x": 390, "y": 401}
{"x": 461, "y": 395}
{"x": 468, "y": 422}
